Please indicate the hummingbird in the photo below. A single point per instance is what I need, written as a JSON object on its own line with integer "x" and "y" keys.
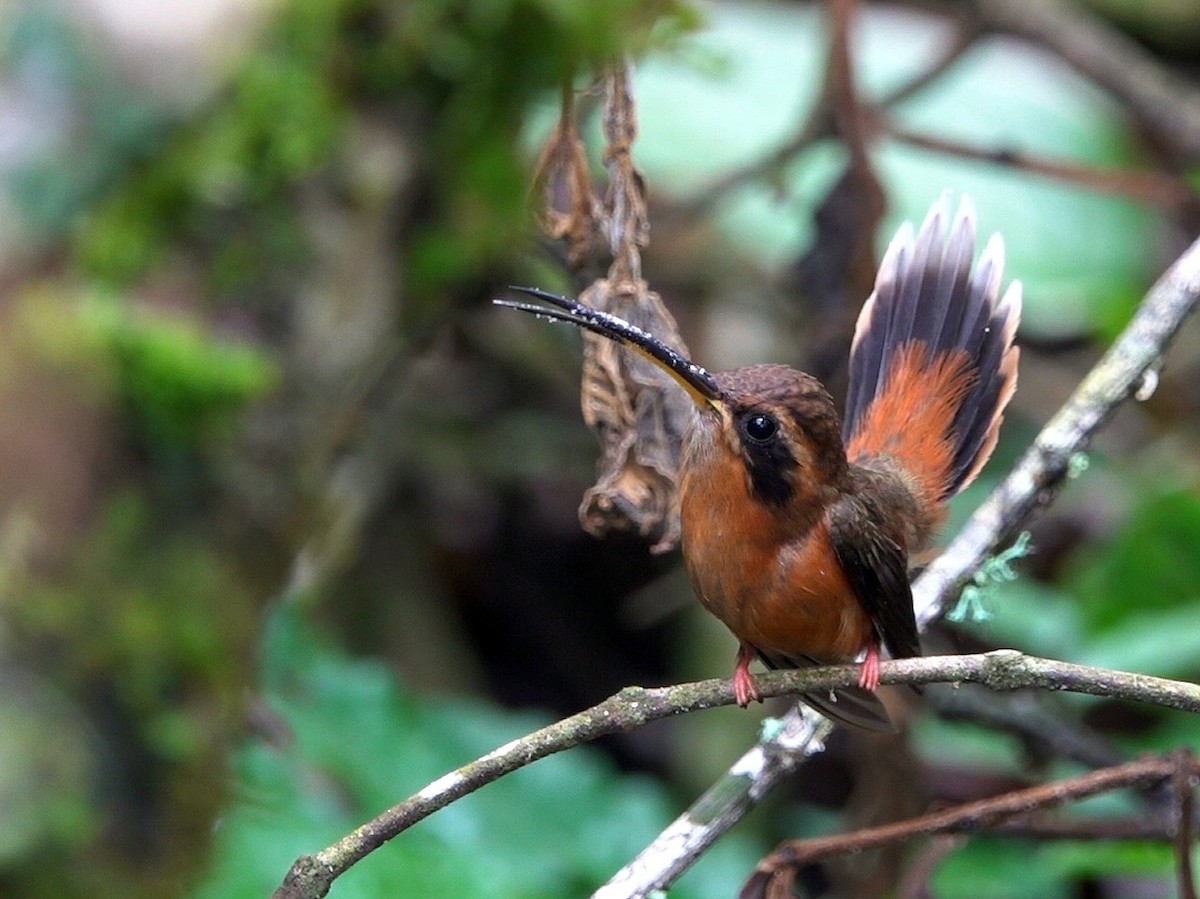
{"x": 799, "y": 525}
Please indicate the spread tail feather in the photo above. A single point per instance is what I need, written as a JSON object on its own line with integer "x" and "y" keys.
{"x": 933, "y": 365}
{"x": 855, "y": 706}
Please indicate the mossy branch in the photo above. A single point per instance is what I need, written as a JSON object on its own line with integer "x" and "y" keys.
{"x": 633, "y": 707}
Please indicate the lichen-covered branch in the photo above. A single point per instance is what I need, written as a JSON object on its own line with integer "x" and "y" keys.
{"x": 634, "y": 707}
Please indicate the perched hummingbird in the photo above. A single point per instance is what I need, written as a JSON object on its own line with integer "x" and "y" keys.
{"x": 798, "y": 526}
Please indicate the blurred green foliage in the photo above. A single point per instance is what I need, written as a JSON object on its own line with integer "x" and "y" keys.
{"x": 182, "y": 385}
{"x": 351, "y": 740}
{"x": 457, "y": 75}
{"x": 1132, "y": 605}
{"x": 992, "y": 868}
{"x": 137, "y": 606}
{"x": 93, "y": 126}
{"x": 1128, "y": 604}
{"x": 1151, "y": 567}
{"x": 147, "y": 624}
{"x": 46, "y": 770}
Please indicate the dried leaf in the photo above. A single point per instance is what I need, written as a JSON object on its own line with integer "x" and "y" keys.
{"x": 628, "y": 219}
{"x": 637, "y": 411}
{"x": 639, "y": 415}
{"x": 570, "y": 209}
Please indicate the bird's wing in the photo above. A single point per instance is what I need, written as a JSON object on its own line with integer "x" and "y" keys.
{"x": 877, "y": 567}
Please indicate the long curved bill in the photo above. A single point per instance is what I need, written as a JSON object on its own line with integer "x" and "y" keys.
{"x": 699, "y": 383}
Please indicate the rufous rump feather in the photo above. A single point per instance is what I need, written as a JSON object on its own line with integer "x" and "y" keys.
{"x": 911, "y": 419}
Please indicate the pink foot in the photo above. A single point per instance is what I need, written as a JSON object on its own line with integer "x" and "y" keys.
{"x": 868, "y": 675}
{"x": 744, "y": 687}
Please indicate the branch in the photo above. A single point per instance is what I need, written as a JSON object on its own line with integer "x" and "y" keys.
{"x": 1028, "y": 716}
{"x": 822, "y": 120}
{"x": 633, "y": 707}
{"x": 1128, "y": 367}
{"x": 1144, "y": 186}
{"x": 722, "y": 805}
{"x": 1183, "y": 781}
{"x": 775, "y": 874}
{"x": 1163, "y": 101}
{"x": 1031, "y": 486}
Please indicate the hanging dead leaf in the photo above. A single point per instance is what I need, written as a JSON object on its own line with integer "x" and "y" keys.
{"x": 637, "y": 411}
{"x": 639, "y": 415}
{"x": 570, "y": 209}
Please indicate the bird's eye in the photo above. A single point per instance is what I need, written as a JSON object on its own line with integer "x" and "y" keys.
{"x": 761, "y": 428}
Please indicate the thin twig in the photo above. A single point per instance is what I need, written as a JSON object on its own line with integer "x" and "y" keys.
{"x": 1047, "y": 826}
{"x": 915, "y": 883}
{"x": 821, "y": 122}
{"x": 969, "y": 818}
{"x": 1031, "y": 486}
{"x": 1183, "y": 781}
{"x": 1143, "y": 185}
{"x": 841, "y": 86}
{"x": 966, "y": 33}
{"x": 633, "y": 707}
{"x": 628, "y": 225}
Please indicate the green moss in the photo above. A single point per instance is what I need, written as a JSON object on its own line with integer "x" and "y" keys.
{"x": 458, "y": 78}
{"x": 147, "y": 625}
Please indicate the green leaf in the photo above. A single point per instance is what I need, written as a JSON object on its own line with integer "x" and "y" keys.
{"x": 1150, "y": 567}
{"x": 996, "y": 868}
{"x": 360, "y": 742}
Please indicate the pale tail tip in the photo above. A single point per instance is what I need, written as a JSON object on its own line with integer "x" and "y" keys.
{"x": 966, "y": 211}
{"x": 896, "y": 255}
{"x": 939, "y": 212}
{"x": 1010, "y": 304}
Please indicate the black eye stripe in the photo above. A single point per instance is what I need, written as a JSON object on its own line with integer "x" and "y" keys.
{"x": 769, "y": 460}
